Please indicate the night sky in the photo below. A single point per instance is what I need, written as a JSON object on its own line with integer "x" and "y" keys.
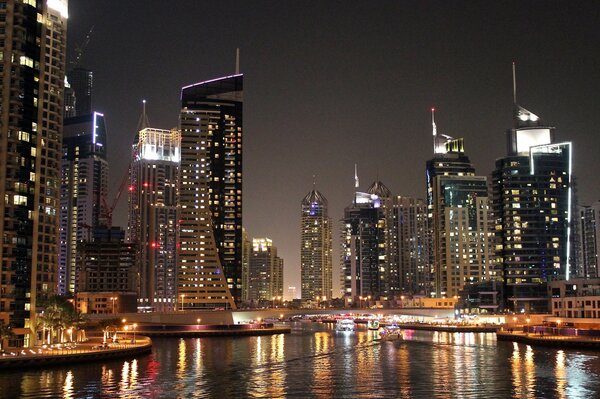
{"x": 333, "y": 83}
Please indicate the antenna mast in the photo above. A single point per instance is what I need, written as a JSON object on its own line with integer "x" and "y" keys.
{"x": 355, "y": 175}
{"x": 514, "y": 83}
{"x": 237, "y": 61}
{"x": 433, "y": 128}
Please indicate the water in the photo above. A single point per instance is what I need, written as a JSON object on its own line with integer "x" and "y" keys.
{"x": 315, "y": 361}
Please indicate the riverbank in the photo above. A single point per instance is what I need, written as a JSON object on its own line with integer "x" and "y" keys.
{"x": 89, "y": 351}
{"x": 554, "y": 341}
{"x": 233, "y": 330}
{"x": 431, "y": 327}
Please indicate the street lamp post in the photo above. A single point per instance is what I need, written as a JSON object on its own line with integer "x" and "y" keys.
{"x": 134, "y": 327}
{"x": 273, "y": 302}
{"x": 198, "y": 324}
{"x": 182, "y": 296}
{"x": 113, "y": 299}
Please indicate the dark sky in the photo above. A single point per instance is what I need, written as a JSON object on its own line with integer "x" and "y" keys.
{"x": 333, "y": 83}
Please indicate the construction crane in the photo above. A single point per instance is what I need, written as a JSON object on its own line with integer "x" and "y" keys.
{"x": 81, "y": 48}
{"x": 109, "y": 209}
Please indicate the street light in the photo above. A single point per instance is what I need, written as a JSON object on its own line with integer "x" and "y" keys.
{"x": 113, "y": 299}
{"x": 198, "y": 324}
{"x": 528, "y": 320}
{"x": 134, "y": 327}
{"x": 324, "y": 301}
{"x": 182, "y": 296}
{"x": 273, "y": 302}
{"x": 360, "y": 298}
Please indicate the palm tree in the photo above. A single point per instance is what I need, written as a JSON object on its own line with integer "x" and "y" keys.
{"x": 108, "y": 326}
{"x": 5, "y": 333}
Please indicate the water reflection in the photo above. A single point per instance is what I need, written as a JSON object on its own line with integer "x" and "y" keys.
{"x": 317, "y": 362}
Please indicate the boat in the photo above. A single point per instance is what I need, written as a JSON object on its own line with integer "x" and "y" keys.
{"x": 373, "y": 325}
{"x": 345, "y": 325}
{"x": 391, "y": 332}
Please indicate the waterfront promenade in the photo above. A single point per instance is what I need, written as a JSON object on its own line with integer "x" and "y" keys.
{"x": 89, "y": 351}
{"x": 549, "y": 340}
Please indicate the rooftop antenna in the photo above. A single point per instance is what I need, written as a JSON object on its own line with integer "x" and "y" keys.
{"x": 314, "y": 182}
{"x": 433, "y": 127}
{"x": 355, "y": 176}
{"x": 237, "y": 61}
{"x": 514, "y": 83}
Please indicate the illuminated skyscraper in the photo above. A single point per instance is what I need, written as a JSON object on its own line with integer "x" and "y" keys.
{"x": 212, "y": 124}
{"x": 414, "y": 246}
{"x": 246, "y": 254}
{"x": 315, "y": 248}
{"x": 210, "y": 194}
{"x": 83, "y": 185}
{"x": 81, "y": 82}
{"x": 153, "y": 215}
{"x": 32, "y": 74}
{"x": 363, "y": 249}
{"x": 459, "y": 214}
{"x": 265, "y": 272}
{"x": 531, "y": 202}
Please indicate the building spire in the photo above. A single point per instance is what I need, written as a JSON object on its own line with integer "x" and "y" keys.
{"x": 143, "y": 122}
{"x": 314, "y": 181}
{"x": 356, "y": 176}
{"x": 514, "y": 74}
{"x": 237, "y": 61}
{"x": 433, "y": 127}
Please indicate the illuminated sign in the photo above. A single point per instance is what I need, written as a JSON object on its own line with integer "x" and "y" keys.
{"x": 527, "y": 138}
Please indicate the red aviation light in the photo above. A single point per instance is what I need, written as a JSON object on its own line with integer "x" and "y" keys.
{"x": 154, "y": 245}
{"x": 131, "y": 188}
{"x": 146, "y": 184}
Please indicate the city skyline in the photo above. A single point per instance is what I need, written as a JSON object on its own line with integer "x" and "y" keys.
{"x": 376, "y": 80}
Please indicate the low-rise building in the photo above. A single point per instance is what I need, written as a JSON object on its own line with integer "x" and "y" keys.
{"x": 575, "y": 302}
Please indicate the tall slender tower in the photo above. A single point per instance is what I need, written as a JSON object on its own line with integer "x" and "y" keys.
{"x": 31, "y": 118}
{"x": 84, "y": 182}
{"x": 153, "y": 215}
{"x": 531, "y": 203}
{"x": 212, "y": 112}
{"x": 315, "y": 248}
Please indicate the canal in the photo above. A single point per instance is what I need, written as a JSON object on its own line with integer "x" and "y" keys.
{"x": 316, "y": 361}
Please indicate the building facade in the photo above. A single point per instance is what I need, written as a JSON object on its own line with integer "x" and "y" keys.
{"x": 83, "y": 186}
{"x": 32, "y": 74}
{"x": 212, "y": 112}
{"x": 414, "y": 246}
{"x": 266, "y": 271}
{"x": 531, "y": 202}
{"x": 316, "y": 268}
{"x": 81, "y": 82}
{"x": 108, "y": 270}
{"x": 588, "y": 220}
{"x": 153, "y": 215}
{"x": 363, "y": 249}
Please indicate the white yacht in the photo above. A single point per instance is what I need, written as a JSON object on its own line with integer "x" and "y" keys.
{"x": 346, "y": 325}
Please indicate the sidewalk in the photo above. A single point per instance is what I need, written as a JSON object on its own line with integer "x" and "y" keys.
{"x": 557, "y": 341}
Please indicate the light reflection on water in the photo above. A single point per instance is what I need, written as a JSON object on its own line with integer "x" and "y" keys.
{"x": 315, "y": 361}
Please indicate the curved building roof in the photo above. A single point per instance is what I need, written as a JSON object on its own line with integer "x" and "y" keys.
{"x": 314, "y": 197}
{"x": 379, "y": 189}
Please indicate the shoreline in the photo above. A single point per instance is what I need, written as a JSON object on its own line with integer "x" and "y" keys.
{"x": 217, "y": 332}
{"x": 75, "y": 356}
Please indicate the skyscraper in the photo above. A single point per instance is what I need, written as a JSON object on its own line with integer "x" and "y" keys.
{"x": 588, "y": 218}
{"x": 32, "y": 74}
{"x": 212, "y": 124}
{"x": 153, "y": 215}
{"x": 83, "y": 186}
{"x": 414, "y": 246}
{"x": 265, "y": 272}
{"x": 246, "y": 254}
{"x": 531, "y": 203}
{"x": 81, "y": 82}
{"x": 458, "y": 213}
{"x": 363, "y": 248}
{"x": 315, "y": 248}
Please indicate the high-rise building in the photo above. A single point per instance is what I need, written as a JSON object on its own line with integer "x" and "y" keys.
{"x": 246, "y": 254}
{"x": 210, "y": 194}
{"x": 81, "y": 82}
{"x": 315, "y": 248}
{"x": 363, "y": 249}
{"x": 458, "y": 213}
{"x": 32, "y": 74}
{"x": 414, "y": 246}
{"x": 588, "y": 219}
{"x": 108, "y": 269}
{"x": 389, "y": 272}
{"x": 266, "y": 271}
{"x": 531, "y": 202}
{"x": 153, "y": 215}
{"x": 69, "y": 100}
{"x": 212, "y": 124}
{"x": 83, "y": 186}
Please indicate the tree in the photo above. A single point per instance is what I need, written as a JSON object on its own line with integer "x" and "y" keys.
{"x": 6, "y": 332}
